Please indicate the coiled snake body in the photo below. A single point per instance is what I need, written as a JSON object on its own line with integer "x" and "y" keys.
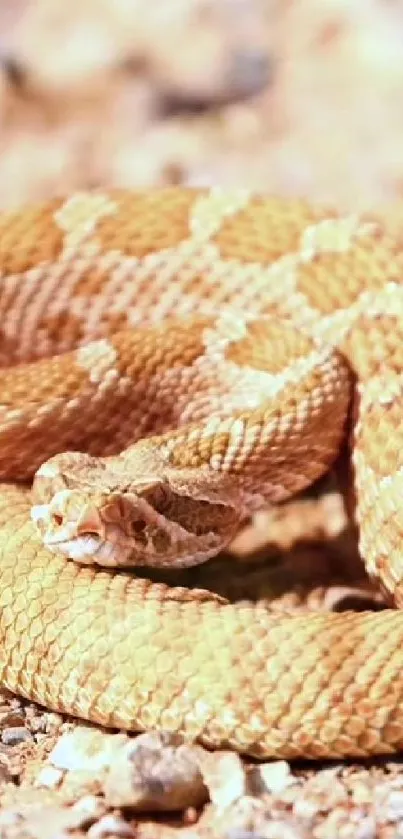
{"x": 226, "y": 334}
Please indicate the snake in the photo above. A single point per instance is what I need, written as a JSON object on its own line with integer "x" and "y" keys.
{"x": 172, "y": 360}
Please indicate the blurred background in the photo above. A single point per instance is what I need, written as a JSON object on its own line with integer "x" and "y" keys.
{"x": 294, "y": 97}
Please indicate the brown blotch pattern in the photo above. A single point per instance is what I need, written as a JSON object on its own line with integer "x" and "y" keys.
{"x": 49, "y": 378}
{"x": 256, "y": 348}
{"x": 92, "y": 281}
{"x": 335, "y": 280}
{"x": 141, "y": 353}
{"x": 266, "y": 230}
{"x": 114, "y": 322}
{"x": 63, "y": 329}
{"x": 371, "y": 340}
{"x": 193, "y": 454}
{"x": 29, "y": 237}
{"x": 147, "y": 222}
{"x": 380, "y": 435}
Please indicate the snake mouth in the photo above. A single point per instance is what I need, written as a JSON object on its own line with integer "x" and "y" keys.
{"x": 84, "y": 549}
{"x": 85, "y": 539}
{"x": 91, "y": 550}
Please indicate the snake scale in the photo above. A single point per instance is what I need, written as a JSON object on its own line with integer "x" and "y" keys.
{"x": 217, "y": 348}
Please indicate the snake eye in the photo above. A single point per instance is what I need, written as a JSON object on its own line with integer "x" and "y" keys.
{"x": 57, "y": 519}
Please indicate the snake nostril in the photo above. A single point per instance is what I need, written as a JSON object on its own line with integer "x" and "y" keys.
{"x": 57, "y": 519}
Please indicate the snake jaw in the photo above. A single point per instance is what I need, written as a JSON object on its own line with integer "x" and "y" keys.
{"x": 77, "y": 530}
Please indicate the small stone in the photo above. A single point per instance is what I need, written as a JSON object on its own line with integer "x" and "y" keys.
{"x": 155, "y": 772}
{"x": 13, "y": 735}
{"x": 225, "y": 777}
{"x": 394, "y": 805}
{"x": 111, "y": 826}
{"x": 275, "y": 777}
{"x": 9, "y": 818}
{"x": 305, "y": 808}
{"x": 86, "y": 749}
{"x": 90, "y": 807}
{"x": 49, "y": 777}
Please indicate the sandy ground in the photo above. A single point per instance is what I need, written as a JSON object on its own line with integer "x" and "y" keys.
{"x": 291, "y": 97}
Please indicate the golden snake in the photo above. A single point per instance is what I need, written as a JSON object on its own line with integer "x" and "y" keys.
{"x": 225, "y": 333}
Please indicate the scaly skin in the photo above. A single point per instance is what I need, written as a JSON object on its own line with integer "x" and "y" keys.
{"x": 130, "y": 653}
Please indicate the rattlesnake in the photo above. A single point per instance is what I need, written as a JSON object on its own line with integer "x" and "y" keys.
{"x": 235, "y": 329}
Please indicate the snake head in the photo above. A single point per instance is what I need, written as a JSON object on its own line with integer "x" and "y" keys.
{"x": 144, "y": 521}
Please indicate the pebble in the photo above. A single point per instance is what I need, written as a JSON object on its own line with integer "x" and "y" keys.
{"x": 13, "y": 735}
